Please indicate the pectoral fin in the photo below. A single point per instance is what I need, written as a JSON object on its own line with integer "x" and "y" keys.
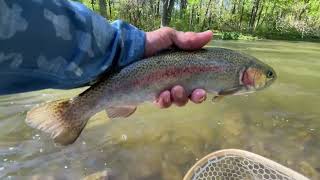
{"x": 226, "y": 92}
{"x": 230, "y": 91}
{"x": 120, "y": 111}
{"x": 217, "y": 99}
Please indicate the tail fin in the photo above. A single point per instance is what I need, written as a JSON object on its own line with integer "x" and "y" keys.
{"x": 59, "y": 119}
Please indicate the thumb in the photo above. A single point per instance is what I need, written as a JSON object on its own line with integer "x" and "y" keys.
{"x": 191, "y": 40}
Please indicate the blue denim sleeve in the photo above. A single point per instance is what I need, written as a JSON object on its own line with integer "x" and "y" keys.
{"x": 60, "y": 44}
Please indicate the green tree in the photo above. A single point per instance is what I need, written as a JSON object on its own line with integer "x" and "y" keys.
{"x": 285, "y": 19}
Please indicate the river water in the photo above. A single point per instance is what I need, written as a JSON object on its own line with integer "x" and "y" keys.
{"x": 281, "y": 123}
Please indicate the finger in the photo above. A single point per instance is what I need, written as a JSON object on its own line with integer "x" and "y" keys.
{"x": 198, "y": 96}
{"x": 165, "y": 37}
{"x": 191, "y": 40}
{"x": 158, "y": 40}
{"x": 179, "y": 96}
{"x": 164, "y": 100}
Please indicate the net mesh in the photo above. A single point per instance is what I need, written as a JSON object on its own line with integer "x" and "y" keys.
{"x": 240, "y": 165}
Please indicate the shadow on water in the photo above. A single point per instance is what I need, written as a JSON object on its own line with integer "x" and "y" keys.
{"x": 280, "y": 123}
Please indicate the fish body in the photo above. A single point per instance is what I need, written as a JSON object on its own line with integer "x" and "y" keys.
{"x": 216, "y": 70}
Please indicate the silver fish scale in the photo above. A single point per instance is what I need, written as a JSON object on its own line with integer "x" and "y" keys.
{"x": 127, "y": 86}
{"x": 220, "y": 57}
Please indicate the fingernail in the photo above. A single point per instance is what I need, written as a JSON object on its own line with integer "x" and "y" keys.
{"x": 205, "y": 32}
{"x": 167, "y": 99}
{"x": 177, "y": 92}
{"x": 179, "y": 95}
{"x": 200, "y": 92}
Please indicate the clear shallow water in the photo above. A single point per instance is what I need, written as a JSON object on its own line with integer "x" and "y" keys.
{"x": 281, "y": 123}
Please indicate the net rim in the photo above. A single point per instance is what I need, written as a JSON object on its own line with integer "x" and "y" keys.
{"x": 242, "y": 153}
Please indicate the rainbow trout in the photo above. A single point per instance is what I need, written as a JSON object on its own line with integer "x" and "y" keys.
{"x": 216, "y": 70}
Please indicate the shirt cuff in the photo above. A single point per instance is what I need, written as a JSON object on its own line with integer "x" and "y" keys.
{"x": 131, "y": 42}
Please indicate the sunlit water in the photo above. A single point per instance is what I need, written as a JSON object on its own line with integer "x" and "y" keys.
{"x": 281, "y": 123}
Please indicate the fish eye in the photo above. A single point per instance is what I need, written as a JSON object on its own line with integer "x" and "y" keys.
{"x": 270, "y": 74}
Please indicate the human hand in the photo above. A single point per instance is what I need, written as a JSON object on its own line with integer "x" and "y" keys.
{"x": 164, "y": 38}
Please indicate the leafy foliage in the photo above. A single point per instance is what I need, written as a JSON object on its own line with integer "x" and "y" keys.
{"x": 276, "y": 19}
{"x": 230, "y": 35}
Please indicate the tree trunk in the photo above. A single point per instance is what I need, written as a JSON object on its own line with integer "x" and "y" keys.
{"x": 304, "y": 9}
{"x": 253, "y": 16}
{"x": 102, "y": 8}
{"x": 259, "y": 16}
{"x": 221, "y": 8}
{"x": 191, "y": 17}
{"x": 158, "y": 8}
{"x": 206, "y": 14}
{"x": 241, "y": 14}
{"x": 199, "y": 12}
{"x": 170, "y": 8}
{"x": 234, "y": 7}
{"x": 93, "y": 2}
{"x": 263, "y": 18}
{"x": 110, "y": 9}
{"x": 210, "y": 19}
{"x": 271, "y": 14}
{"x": 183, "y": 7}
{"x": 167, "y": 6}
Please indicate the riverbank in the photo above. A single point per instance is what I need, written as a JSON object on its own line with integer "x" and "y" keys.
{"x": 270, "y": 36}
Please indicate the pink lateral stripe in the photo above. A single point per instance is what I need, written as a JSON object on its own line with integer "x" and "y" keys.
{"x": 174, "y": 72}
